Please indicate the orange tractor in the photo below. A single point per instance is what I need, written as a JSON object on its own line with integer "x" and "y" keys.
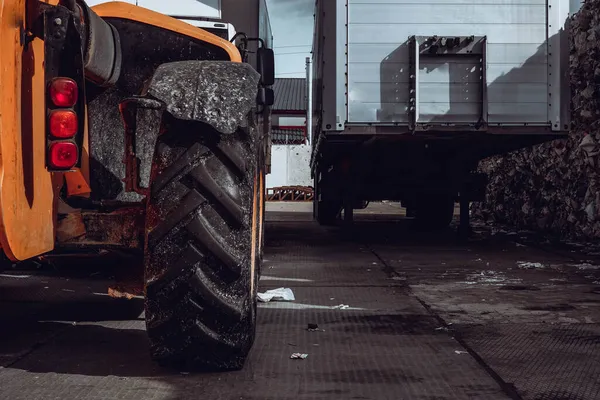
{"x": 127, "y": 129}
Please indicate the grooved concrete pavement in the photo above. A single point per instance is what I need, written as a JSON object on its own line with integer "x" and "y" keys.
{"x": 399, "y": 337}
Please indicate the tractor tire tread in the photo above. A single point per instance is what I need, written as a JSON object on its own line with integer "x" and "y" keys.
{"x": 199, "y": 307}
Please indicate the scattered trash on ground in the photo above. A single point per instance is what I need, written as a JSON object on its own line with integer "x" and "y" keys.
{"x": 461, "y": 352}
{"x": 341, "y": 307}
{"x": 585, "y": 266}
{"x": 298, "y": 356}
{"x": 489, "y": 277}
{"x": 530, "y": 265}
{"x": 281, "y": 294}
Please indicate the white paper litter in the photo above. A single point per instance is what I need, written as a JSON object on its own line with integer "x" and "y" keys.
{"x": 341, "y": 307}
{"x": 281, "y": 294}
{"x": 530, "y": 265}
{"x": 298, "y": 356}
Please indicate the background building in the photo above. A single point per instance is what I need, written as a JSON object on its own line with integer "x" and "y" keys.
{"x": 290, "y": 156}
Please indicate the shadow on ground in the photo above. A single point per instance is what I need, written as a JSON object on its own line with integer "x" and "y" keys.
{"x": 59, "y": 337}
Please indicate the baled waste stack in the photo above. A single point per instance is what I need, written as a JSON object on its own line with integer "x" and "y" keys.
{"x": 555, "y": 187}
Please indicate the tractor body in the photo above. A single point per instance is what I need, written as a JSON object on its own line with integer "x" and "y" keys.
{"x": 125, "y": 129}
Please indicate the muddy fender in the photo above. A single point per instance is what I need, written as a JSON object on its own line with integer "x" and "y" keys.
{"x": 218, "y": 93}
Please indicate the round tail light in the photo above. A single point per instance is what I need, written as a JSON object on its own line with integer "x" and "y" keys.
{"x": 63, "y": 155}
{"x": 63, "y": 124}
{"x": 64, "y": 92}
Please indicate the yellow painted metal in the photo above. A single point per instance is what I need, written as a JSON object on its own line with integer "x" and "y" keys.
{"x": 26, "y": 189}
{"x": 117, "y": 9}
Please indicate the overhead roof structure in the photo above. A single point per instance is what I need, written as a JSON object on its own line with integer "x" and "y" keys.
{"x": 290, "y": 95}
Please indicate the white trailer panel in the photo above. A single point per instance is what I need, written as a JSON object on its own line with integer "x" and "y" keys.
{"x": 517, "y": 76}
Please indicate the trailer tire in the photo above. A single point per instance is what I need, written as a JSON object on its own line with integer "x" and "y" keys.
{"x": 434, "y": 212}
{"x": 201, "y": 248}
{"x": 328, "y": 212}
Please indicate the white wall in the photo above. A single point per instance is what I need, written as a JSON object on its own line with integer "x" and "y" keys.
{"x": 290, "y": 164}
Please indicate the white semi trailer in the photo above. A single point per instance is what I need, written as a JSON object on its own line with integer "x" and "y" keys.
{"x": 409, "y": 96}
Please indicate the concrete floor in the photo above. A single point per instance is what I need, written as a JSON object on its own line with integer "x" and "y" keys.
{"x": 503, "y": 315}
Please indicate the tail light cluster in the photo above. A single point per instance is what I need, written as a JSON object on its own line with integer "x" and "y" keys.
{"x": 63, "y": 124}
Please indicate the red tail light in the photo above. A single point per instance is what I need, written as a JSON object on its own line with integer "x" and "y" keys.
{"x": 64, "y": 92}
{"x": 63, "y": 124}
{"x": 63, "y": 155}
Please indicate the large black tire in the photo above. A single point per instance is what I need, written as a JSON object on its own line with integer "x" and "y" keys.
{"x": 201, "y": 254}
{"x": 434, "y": 212}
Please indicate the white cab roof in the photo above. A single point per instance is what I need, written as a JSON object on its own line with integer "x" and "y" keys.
{"x": 179, "y": 8}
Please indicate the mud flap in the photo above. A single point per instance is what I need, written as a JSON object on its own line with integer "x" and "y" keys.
{"x": 218, "y": 93}
{"x": 142, "y": 118}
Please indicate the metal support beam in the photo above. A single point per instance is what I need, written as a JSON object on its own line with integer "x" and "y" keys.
{"x": 464, "y": 227}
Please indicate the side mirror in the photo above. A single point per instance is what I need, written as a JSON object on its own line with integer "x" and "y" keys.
{"x": 266, "y": 97}
{"x": 266, "y": 66}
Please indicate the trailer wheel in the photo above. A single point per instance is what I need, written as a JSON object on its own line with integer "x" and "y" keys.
{"x": 326, "y": 211}
{"x": 202, "y": 248}
{"x": 434, "y": 212}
